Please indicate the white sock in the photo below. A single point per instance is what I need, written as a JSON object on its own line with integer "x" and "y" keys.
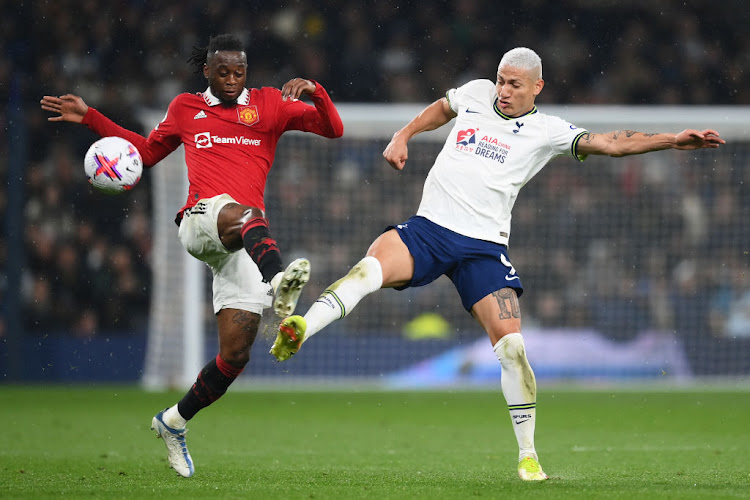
{"x": 340, "y": 298}
{"x": 519, "y": 388}
{"x": 173, "y": 418}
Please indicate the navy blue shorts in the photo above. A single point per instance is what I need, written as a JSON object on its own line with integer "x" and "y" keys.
{"x": 476, "y": 267}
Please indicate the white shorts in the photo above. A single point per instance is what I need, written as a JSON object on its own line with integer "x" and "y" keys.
{"x": 238, "y": 283}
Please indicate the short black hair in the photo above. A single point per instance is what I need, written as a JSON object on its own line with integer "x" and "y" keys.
{"x": 227, "y": 42}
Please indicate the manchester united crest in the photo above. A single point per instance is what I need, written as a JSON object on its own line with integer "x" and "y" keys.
{"x": 248, "y": 114}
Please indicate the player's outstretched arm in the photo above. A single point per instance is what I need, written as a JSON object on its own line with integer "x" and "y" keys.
{"x": 433, "y": 116}
{"x": 630, "y": 142}
{"x": 69, "y": 108}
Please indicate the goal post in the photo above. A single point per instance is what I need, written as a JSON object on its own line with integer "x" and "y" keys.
{"x": 174, "y": 346}
{"x": 607, "y": 251}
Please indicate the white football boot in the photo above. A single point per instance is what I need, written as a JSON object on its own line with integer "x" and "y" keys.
{"x": 288, "y": 285}
{"x": 177, "y": 452}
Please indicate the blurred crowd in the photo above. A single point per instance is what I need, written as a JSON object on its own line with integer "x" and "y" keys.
{"x": 664, "y": 231}
{"x": 86, "y": 256}
{"x": 135, "y": 52}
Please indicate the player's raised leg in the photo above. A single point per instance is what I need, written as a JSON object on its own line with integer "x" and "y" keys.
{"x": 286, "y": 284}
{"x": 333, "y": 304}
{"x": 388, "y": 263}
{"x": 257, "y": 241}
{"x": 243, "y": 226}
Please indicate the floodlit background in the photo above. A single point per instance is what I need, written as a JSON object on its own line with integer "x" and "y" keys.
{"x": 635, "y": 268}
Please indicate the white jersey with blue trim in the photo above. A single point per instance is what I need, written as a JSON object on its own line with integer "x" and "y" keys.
{"x": 486, "y": 160}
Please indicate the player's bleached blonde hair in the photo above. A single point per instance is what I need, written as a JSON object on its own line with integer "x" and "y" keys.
{"x": 522, "y": 58}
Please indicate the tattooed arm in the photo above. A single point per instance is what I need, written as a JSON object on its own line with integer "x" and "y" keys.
{"x": 630, "y": 142}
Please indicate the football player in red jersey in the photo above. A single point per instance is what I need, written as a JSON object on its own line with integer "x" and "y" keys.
{"x": 230, "y": 134}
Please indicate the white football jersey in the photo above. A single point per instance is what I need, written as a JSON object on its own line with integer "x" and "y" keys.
{"x": 487, "y": 158}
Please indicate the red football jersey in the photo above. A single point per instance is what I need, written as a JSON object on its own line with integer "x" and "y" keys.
{"x": 228, "y": 148}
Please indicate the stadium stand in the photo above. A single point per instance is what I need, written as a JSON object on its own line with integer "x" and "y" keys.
{"x": 86, "y": 256}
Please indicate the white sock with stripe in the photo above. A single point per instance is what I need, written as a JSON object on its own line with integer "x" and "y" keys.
{"x": 340, "y": 298}
{"x": 519, "y": 388}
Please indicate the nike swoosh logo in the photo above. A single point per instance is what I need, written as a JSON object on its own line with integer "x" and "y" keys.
{"x": 508, "y": 277}
{"x": 521, "y": 421}
{"x": 471, "y": 111}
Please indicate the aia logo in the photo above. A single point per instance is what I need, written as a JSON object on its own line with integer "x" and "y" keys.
{"x": 466, "y": 137}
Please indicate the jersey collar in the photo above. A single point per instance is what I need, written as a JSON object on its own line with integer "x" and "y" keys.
{"x": 506, "y": 117}
{"x": 212, "y": 100}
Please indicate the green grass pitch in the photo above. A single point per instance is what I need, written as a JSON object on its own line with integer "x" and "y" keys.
{"x": 95, "y": 442}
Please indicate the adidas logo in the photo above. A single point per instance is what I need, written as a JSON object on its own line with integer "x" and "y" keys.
{"x": 200, "y": 114}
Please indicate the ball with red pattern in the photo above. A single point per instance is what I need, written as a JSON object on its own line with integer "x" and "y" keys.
{"x": 113, "y": 165}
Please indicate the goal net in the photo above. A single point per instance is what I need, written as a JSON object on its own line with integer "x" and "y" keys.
{"x": 634, "y": 268}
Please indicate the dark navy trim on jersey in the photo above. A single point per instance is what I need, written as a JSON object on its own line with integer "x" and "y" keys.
{"x": 574, "y": 146}
{"x": 476, "y": 267}
{"x": 506, "y": 117}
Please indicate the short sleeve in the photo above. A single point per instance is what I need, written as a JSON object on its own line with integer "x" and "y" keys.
{"x": 564, "y": 137}
{"x": 452, "y": 99}
{"x": 473, "y": 91}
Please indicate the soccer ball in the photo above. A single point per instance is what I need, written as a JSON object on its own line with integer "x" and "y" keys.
{"x": 113, "y": 165}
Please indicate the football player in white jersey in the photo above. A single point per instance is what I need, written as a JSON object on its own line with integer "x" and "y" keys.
{"x": 499, "y": 141}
